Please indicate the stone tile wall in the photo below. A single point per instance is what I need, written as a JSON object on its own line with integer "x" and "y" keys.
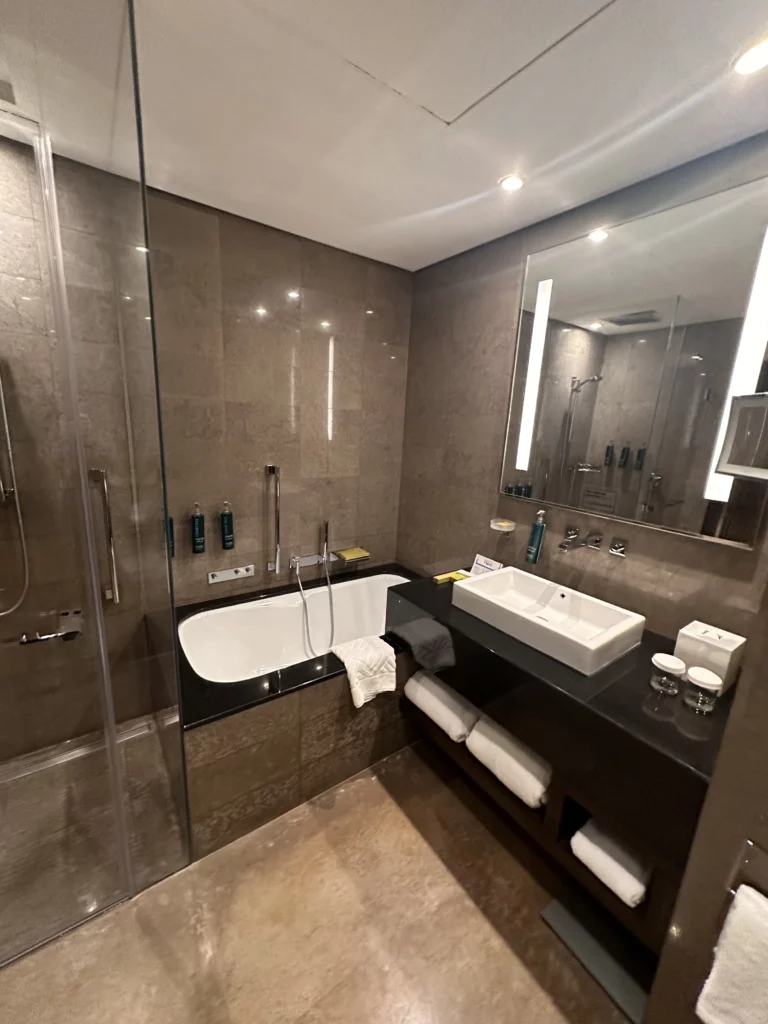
{"x": 273, "y": 348}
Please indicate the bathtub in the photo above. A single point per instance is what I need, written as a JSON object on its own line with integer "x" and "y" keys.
{"x": 241, "y": 641}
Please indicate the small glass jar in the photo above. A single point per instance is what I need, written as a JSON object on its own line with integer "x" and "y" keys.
{"x": 702, "y": 689}
{"x": 667, "y": 673}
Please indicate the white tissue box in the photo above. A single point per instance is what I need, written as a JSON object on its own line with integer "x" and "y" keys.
{"x": 712, "y": 648}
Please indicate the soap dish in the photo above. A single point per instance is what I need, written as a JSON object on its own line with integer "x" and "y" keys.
{"x": 503, "y": 525}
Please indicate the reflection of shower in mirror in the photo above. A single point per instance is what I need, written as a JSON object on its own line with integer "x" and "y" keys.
{"x": 565, "y": 485}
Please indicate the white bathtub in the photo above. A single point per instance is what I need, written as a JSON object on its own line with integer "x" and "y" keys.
{"x": 241, "y": 641}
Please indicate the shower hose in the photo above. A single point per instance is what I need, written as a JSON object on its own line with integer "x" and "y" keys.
{"x": 306, "y": 610}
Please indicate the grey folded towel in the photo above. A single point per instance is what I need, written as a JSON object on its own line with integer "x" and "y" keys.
{"x": 430, "y": 643}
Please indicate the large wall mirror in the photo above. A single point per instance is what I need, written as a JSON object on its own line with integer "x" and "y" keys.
{"x": 632, "y": 343}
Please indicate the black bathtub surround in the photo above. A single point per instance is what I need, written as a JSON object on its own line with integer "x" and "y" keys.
{"x": 203, "y": 702}
{"x": 642, "y": 768}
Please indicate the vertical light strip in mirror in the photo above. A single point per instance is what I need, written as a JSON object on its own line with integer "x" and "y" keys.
{"x": 330, "y": 388}
{"x": 533, "y": 376}
{"x": 746, "y": 369}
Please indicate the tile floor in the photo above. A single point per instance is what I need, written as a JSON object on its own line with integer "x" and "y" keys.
{"x": 385, "y": 901}
{"x": 58, "y": 839}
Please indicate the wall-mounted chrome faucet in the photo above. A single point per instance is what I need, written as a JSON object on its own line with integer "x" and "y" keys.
{"x": 571, "y": 539}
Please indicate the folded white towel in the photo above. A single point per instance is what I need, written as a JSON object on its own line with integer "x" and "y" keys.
{"x": 442, "y": 704}
{"x": 521, "y": 770}
{"x": 622, "y": 871}
{"x": 736, "y": 991}
{"x": 370, "y": 665}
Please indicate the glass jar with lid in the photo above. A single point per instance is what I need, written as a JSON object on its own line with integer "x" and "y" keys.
{"x": 667, "y": 673}
{"x": 702, "y": 689}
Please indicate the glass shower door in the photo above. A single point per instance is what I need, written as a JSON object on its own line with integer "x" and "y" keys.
{"x": 92, "y": 800}
{"x": 63, "y": 832}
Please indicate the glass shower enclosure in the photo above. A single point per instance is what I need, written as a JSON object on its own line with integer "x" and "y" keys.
{"x": 92, "y": 801}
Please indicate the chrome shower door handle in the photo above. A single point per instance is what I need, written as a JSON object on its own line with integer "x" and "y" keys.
{"x": 274, "y": 471}
{"x": 99, "y": 477}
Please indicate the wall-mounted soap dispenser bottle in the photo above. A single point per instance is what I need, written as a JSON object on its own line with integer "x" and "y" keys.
{"x": 197, "y": 519}
{"x": 171, "y": 537}
{"x": 536, "y": 538}
{"x": 608, "y": 461}
{"x": 227, "y": 527}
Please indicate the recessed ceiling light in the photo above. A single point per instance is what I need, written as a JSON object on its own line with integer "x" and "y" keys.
{"x": 511, "y": 182}
{"x": 755, "y": 59}
{"x": 595, "y": 326}
{"x": 293, "y": 294}
{"x": 261, "y": 311}
{"x": 141, "y": 248}
{"x": 598, "y": 235}
{"x": 324, "y": 323}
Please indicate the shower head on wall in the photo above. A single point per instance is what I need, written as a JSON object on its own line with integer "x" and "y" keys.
{"x": 577, "y": 385}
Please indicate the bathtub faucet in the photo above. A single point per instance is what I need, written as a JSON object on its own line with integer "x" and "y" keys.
{"x": 326, "y": 531}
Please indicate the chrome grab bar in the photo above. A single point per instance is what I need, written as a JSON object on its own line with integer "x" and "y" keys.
{"x": 274, "y": 471}
{"x": 99, "y": 476}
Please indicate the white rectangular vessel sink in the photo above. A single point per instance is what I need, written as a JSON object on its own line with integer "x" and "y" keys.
{"x": 580, "y": 631}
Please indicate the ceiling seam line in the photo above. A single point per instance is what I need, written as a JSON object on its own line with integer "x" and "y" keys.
{"x": 397, "y": 92}
{"x": 531, "y": 62}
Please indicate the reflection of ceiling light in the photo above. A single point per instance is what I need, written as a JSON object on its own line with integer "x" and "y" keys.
{"x": 147, "y": 317}
{"x": 595, "y": 326}
{"x": 26, "y": 298}
{"x": 261, "y": 311}
{"x": 702, "y": 375}
{"x": 141, "y": 248}
{"x": 127, "y": 298}
{"x": 324, "y": 323}
{"x": 697, "y": 358}
{"x": 755, "y": 59}
{"x": 641, "y": 341}
{"x": 598, "y": 235}
{"x": 511, "y": 182}
{"x": 393, "y": 357}
{"x": 369, "y": 312}
{"x": 293, "y": 294}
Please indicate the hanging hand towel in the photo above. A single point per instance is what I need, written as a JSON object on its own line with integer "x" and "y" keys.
{"x": 370, "y": 665}
{"x": 736, "y": 991}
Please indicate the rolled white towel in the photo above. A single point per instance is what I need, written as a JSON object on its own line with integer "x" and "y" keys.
{"x": 736, "y": 991}
{"x": 622, "y": 871}
{"x": 442, "y": 704}
{"x": 521, "y": 770}
{"x": 370, "y": 664}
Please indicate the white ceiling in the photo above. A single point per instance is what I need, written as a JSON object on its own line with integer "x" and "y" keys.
{"x": 382, "y": 127}
{"x": 704, "y": 252}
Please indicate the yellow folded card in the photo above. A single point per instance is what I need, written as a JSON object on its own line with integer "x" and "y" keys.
{"x": 353, "y": 554}
{"x": 457, "y": 574}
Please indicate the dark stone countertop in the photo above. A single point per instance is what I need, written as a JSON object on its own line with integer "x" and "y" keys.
{"x": 620, "y": 693}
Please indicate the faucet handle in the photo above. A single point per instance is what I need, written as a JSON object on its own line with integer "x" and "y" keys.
{"x": 571, "y": 533}
{"x": 594, "y": 539}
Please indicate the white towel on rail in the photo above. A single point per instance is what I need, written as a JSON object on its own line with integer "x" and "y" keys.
{"x": 736, "y": 991}
{"x": 370, "y": 664}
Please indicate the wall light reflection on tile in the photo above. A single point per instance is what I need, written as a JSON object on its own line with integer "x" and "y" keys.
{"x": 330, "y": 388}
{"x": 533, "y": 375}
{"x": 293, "y": 389}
